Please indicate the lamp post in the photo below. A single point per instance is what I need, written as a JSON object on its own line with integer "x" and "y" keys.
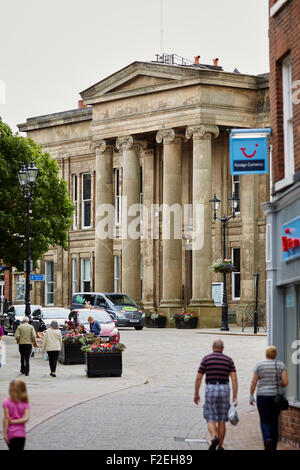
{"x": 256, "y": 279}
{"x": 215, "y": 204}
{"x": 27, "y": 177}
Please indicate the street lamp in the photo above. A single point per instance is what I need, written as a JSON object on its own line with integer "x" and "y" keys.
{"x": 27, "y": 177}
{"x": 215, "y": 204}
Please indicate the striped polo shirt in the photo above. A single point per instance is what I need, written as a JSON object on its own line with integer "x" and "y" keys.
{"x": 267, "y": 382}
{"x": 216, "y": 367}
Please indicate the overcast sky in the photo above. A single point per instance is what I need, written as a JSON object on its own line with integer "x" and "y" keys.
{"x": 51, "y": 50}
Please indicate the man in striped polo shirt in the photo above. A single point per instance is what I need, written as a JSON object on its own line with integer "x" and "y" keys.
{"x": 217, "y": 368}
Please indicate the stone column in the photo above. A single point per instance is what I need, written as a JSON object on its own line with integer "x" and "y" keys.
{"x": 149, "y": 262}
{"x": 202, "y": 221}
{"x": 104, "y": 266}
{"x": 130, "y": 216}
{"x": 171, "y": 220}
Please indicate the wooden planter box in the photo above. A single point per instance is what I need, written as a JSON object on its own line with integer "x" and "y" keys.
{"x": 71, "y": 354}
{"x": 181, "y": 324}
{"x": 160, "y": 322}
{"x": 98, "y": 364}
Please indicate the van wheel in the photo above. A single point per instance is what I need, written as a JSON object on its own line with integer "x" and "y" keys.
{"x": 139, "y": 327}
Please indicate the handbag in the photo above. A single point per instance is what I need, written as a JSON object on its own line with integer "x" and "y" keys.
{"x": 280, "y": 401}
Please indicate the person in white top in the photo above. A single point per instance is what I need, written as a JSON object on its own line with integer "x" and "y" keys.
{"x": 52, "y": 345}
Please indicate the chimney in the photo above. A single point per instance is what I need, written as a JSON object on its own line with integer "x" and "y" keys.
{"x": 197, "y": 57}
{"x": 216, "y": 62}
{"x": 81, "y": 104}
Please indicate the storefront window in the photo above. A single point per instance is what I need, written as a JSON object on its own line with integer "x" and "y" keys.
{"x": 291, "y": 336}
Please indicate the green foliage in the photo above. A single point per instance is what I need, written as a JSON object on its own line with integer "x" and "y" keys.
{"x": 51, "y": 206}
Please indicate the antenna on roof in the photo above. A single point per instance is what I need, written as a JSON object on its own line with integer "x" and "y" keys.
{"x": 161, "y": 26}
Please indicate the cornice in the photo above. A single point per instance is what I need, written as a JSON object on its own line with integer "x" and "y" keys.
{"x": 56, "y": 119}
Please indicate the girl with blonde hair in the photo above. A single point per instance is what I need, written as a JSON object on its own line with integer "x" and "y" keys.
{"x": 16, "y": 414}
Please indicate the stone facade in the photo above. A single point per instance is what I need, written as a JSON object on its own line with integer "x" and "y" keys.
{"x": 158, "y": 132}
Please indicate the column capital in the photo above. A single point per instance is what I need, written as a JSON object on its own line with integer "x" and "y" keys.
{"x": 202, "y": 131}
{"x": 100, "y": 146}
{"x": 128, "y": 142}
{"x": 168, "y": 136}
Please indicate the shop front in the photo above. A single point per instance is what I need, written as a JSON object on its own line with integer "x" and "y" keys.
{"x": 283, "y": 297}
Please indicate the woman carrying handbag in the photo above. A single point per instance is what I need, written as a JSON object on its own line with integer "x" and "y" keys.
{"x": 52, "y": 346}
{"x": 270, "y": 377}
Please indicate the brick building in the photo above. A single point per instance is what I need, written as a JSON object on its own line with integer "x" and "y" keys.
{"x": 283, "y": 212}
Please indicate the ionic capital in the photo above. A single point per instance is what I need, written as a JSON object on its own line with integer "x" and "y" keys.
{"x": 100, "y": 146}
{"x": 128, "y": 142}
{"x": 202, "y": 131}
{"x": 168, "y": 136}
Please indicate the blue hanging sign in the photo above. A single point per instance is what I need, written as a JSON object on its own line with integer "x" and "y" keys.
{"x": 249, "y": 151}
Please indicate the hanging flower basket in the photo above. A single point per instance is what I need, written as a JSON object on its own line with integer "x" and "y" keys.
{"x": 222, "y": 266}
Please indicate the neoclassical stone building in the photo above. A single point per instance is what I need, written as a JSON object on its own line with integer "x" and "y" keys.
{"x": 157, "y": 134}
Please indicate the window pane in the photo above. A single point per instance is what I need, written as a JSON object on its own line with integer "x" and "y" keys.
{"x": 20, "y": 287}
{"x": 85, "y": 269}
{"x": 236, "y": 259}
{"x": 87, "y": 214}
{"x": 49, "y": 271}
{"x": 237, "y": 286}
{"x": 86, "y": 183}
{"x": 86, "y": 286}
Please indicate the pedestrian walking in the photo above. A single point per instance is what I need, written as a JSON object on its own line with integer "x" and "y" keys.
{"x": 95, "y": 327}
{"x": 16, "y": 415}
{"x": 269, "y": 378}
{"x": 25, "y": 336}
{"x": 52, "y": 343}
{"x": 217, "y": 368}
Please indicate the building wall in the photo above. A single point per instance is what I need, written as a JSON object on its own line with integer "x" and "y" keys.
{"x": 284, "y": 34}
{"x": 283, "y": 280}
{"x": 290, "y": 426}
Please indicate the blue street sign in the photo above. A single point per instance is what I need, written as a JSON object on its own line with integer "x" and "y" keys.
{"x": 249, "y": 151}
{"x": 37, "y": 277}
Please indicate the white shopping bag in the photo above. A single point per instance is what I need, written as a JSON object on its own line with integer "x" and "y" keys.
{"x": 233, "y": 415}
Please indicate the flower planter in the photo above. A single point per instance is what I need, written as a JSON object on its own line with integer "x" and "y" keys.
{"x": 224, "y": 270}
{"x": 181, "y": 324}
{"x": 103, "y": 364}
{"x": 71, "y": 354}
{"x": 159, "y": 322}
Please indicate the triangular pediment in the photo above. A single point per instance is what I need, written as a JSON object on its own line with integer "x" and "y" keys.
{"x": 141, "y": 81}
{"x": 137, "y": 78}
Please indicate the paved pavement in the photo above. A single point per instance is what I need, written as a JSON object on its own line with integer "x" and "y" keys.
{"x": 149, "y": 407}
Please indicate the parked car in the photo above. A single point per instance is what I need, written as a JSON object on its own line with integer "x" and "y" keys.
{"x": 120, "y": 306}
{"x": 45, "y": 315}
{"x": 109, "y": 330}
{"x": 13, "y": 318}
